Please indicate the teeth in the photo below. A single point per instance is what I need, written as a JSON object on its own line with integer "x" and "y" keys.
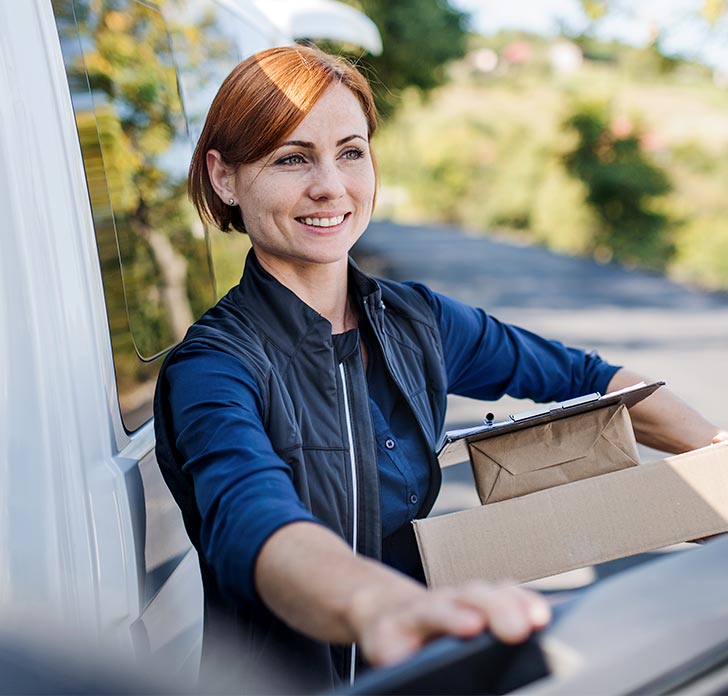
{"x": 323, "y": 222}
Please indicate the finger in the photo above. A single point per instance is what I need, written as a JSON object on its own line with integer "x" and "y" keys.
{"x": 442, "y": 613}
{"x": 538, "y": 608}
{"x": 404, "y": 631}
{"x": 720, "y": 437}
{"x": 513, "y": 613}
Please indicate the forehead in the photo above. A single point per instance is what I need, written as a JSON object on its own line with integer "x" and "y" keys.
{"x": 336, "y": 114}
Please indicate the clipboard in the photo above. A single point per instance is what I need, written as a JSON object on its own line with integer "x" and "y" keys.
{"x": 454, "y": 446}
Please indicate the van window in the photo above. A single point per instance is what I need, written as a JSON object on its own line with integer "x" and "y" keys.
{"x": 154, "y": 251}
{"x": 205, "y": 55}
{"x": 208, "y": 41}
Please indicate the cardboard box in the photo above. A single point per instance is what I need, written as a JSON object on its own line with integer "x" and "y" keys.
{"x": 622, "y": 513}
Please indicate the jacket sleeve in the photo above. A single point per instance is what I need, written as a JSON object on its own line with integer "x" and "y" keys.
{"x": 486, "y": 358}
{"x": 244, "y": 490}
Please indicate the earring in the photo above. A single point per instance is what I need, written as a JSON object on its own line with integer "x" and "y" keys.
{"x": 231, "y": 201}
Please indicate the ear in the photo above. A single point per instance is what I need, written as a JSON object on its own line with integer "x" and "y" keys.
{"x": 222, "y": 176}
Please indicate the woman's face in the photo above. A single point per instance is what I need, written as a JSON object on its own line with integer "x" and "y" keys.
{"x": 310, "y": 200}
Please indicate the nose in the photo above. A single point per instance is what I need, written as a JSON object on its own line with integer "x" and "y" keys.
{"x": 326, "y": 182}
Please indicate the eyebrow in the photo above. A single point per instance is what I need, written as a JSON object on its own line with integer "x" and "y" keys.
{"x": 312, "y": 146}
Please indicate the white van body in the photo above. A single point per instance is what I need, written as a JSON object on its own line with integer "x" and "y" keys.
{"x": 90, "y": 538}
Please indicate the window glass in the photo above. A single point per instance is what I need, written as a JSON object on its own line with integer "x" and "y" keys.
{"x": 208, "y": 42}
{"x": 142, "y": 76}
{"x": 154, "y": 252}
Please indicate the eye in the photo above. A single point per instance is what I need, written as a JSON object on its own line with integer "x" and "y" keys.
{"x": 353, "y": 153}
{"x": 291, "y": 159}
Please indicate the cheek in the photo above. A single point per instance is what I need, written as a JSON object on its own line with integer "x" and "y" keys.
{"x": 364, "y": 186}
{"x": 259, "y": 207}
{"x": 274, "y": 199}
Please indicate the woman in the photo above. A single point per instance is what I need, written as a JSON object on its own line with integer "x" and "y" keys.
{"x": 298, "y": 419}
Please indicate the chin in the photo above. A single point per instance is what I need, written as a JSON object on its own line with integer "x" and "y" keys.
{"x": 331, "y": 254}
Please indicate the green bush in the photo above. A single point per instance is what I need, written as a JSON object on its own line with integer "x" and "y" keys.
{"x": 623, "y": 187}
{"x": 515, "y": 151}
{"x": 479, "y": 175}
{"x": 561, "y": 219}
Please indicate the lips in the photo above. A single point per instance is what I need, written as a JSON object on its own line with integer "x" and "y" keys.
{"x": 322, "y": 221}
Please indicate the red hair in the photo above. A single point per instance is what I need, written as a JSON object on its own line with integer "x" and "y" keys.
{"x": 260, "y": 102}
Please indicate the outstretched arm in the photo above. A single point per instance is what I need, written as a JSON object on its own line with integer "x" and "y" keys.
{"x": 665, "y": 422}
{"x": 311, "y": 579}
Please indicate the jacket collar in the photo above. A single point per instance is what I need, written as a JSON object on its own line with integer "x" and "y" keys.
{"x": 284, "y": 317}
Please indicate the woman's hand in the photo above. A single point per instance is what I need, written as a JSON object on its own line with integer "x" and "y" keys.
{"x": 311, "y": 579}
{"x": 722, "y": 436}
{"x": 391, "y": 628}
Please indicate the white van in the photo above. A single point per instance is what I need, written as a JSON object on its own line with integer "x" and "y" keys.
{"x": 103, "y": 265}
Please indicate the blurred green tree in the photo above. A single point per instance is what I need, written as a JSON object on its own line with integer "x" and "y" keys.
{"x": 420, "y": 37}
{"x": 623, "y": 186}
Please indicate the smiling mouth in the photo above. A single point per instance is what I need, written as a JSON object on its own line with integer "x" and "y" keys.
{"x": 322, "y": 221}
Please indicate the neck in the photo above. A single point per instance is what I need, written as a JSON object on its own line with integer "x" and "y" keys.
{"x": 323, "y": 287}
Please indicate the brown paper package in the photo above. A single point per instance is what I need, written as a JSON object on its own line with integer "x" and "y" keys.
{"x": 554, "y": 453}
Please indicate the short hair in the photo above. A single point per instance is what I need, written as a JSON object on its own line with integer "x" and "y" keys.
{"x": 259, "y": 103}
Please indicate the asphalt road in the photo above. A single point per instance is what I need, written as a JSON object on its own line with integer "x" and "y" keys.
{"x": 661, "y": 329}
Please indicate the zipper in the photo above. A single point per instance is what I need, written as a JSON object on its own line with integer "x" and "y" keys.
{"x": 354, "y": 491}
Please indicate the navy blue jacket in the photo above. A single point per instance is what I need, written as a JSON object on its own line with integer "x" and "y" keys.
{"x": 309, "y": 400}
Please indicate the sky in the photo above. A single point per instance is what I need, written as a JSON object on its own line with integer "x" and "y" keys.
{"x": 684, "y": 31}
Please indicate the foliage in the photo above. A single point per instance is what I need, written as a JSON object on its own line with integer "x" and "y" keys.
{"x": 622, "y": 184}
{"x": 139, "y": 120}
{"x": 420, "y": 37}
{"x": 702, "y": 251}
{"x": 560, "y": 216}
{"x": 703, "y": 20}
{"x": 487, "y": 152}
{"x": 136, "y": 149}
